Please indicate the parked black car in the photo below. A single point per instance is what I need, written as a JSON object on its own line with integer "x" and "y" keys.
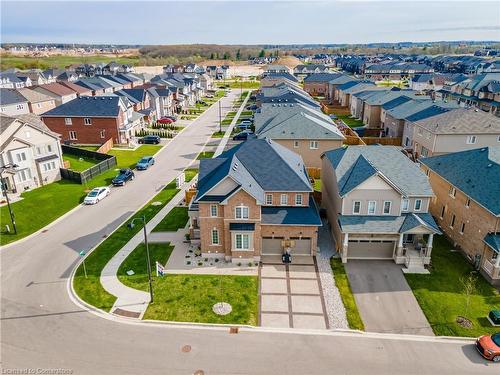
{"x": 242, "y": 136}
{"x": 124, "y": 176}
{"x": 150, "y": 139}
{"x": 252, "y": 107}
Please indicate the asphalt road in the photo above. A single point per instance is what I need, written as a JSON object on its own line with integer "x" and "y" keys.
{"x": 41, "y": 328}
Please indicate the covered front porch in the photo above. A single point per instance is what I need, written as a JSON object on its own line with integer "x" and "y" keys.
{"x": 490, "y": 261}
{"x": 414, "y": 251}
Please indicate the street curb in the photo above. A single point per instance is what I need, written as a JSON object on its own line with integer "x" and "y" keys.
{"x": 80, "y": 205}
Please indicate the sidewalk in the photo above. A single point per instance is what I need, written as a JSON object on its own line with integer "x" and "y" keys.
{"x": 132, "y": 302}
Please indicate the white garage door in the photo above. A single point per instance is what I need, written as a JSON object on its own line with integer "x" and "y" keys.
{"x": 302, "y": 247}
{"x": 364, "y": 249}
{"x": 271, "y": 246}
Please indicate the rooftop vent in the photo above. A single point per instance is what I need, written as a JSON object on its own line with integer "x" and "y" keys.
{"x": 483, "y": 149}
{"x": 489, "y": 165}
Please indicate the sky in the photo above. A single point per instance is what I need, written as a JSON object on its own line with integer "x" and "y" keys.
{"x": 243, "y": 22}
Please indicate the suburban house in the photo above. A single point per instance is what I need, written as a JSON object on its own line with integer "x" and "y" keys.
{"x": 80, "y": 90}
{"x": 455, "y": 130}
{"x": 254, "y": 199}
{"x": 343, "y": 92}
{"x": 34, "y": 148}
{"x": 59, "y": 92}
{"x": 317, "y": 84}
{"x": 377, "y": 203}
{"x": 37, "y": 102}
{"x": 12, "y": 103}
{"x": 162, "y": 101}
{"x": 283, "y": 93}
{"x": 308, "y": 69}
{"x": 9, "y": 80}
{"x": 393, "y": 119}
{"x": 94, "y": 120}
{"x": 276, "y": 69}
{"x": 467, "y": 204}
{"x": 37, "y": 77}
{"x": 272, "y": 79}
{"x": 338, "y": 79}
{"x": 300, "y": 129}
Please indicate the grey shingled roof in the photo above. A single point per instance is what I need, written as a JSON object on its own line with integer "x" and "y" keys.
{"x": 87, "y": 106}
{"x": 387, "y": 224}
{"x": 291, "y": 215}
{"x": 257, "y": 165}
{"x": 493, "y": 241}
{"x": 475, "y": 172}
{"x": 462, "y": 121}
{"x": 11, "y": 96}
{"x": 351, "y": 169}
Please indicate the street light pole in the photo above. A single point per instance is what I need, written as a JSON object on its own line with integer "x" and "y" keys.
{"x": 220, "y": 118}
{"x": 4, "y": 190}
{"x": 131, "y": 225}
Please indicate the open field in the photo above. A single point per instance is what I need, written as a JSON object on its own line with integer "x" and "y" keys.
{"x": 60, "y": 61}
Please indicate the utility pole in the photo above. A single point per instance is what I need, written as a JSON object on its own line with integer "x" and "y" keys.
{"x": 131, "y": 226}
{"x": 4, "y": 190}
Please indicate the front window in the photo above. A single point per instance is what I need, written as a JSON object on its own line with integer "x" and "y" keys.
{"x": 298, "y": 200}
{"x": 405, "y": 204}
{"x": 87, "y": 121}
{"x": 387, "y": 207}
{"x": 103, "y": 133}
{"x": 21, "y": 157}
{"x": 241, "y": 212}
{"x": 295, "y": 144}
{"x": 313, "y": 145}
{"x": 471, "y": 139}
{"x": 72, "y": 136}
{"x": 418, "y": 204}
{"x": 371, "y": 207}
{"x": 242, "y": 241}
{"x": 213, "y": 210}
{"x": 68, "y": 121}
{"x": 284, "y": 199}
{"x": 47, "y": 167}
{"x": 215, "y": 237}
{"x": 452, "y": 192}
{"x": 356, "y": 207}
{"x": 269, "y": 199}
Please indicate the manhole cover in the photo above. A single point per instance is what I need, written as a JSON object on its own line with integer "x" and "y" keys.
{"x": 156, "y": 203}
{"x": 222, "y": 308}
{"x": 186, "y": 349}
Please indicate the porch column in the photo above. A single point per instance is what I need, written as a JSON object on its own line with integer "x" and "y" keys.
{"x": 399, "y": 250}
{"x": 345, "y": 246}
{"x": 429, "y": 245}
{"x": 497, "y": 262}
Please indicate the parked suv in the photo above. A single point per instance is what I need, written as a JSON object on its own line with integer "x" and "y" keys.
{"x": 150, "y": 139}
{"x": 489, "y": 346}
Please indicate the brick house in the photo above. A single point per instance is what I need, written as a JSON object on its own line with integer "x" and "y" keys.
{"x": 467, "y": 204}
{"x": 37, "y": 102}
{"x": 254, "y": 199}
{"x": 317, "y": 84}
{"x": 92, "y": 120}
{"x": 377, "y": 201}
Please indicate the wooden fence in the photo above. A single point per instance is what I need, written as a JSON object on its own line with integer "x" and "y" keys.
{"x": 386, "y": 141}
{"x": 106, "y": 163}
{"x": 314, "y": 172}
{"x": 106, "y": 146}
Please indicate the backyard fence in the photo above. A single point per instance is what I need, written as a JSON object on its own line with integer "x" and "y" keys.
{"x": 106, "y": 146}
{"x": 106, "y": 163}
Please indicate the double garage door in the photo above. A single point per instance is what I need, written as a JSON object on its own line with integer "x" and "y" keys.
{"x": 272, "y": 246}
{"x": 370, "y": 249}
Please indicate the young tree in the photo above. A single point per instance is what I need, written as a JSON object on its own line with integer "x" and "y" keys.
{"x": 262, "y": 53}
{"x": 238, "y": 55}
{"x": 469, "y": 284}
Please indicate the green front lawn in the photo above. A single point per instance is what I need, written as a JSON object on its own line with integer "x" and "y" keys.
{"x": 317, "y": 184}
{"x": 90, "y": 289}
{"x": 441, "y": 294}
{"x": 205, "y": 155}
{"x": 61, "y": 196}
{"x": 218, "y": 134}
{"x": 350, "y": 121}
{"x": 342, "y": 282}
{"x": 79, "y": 163}
{"x": 89, "y": 148}
{"x": 137, "y": 262}
{"x": 176, "y": 219}
{"x": 190, "y": 173}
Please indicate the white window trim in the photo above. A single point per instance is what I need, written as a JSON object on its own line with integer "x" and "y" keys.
{"x": 295, "y": 144}
{"x": 297, "y": 200}
{"x": 390, "y": 208}
{"x": 354, "y": 205}
{"x": 471, "y": 139}
{"x": 87, "y": 121}
{"x": 216, "y": 210}
{"x": 452, "y": 192}
{"x": 286, "y": 200}
{"x": 68, "y": 121}
{"x": 374, "y": 208}
{"x": 214, "y": 231}
{"x": 242, "y": 248}
{"x": 241, "y": 209}
{"x": 415, "y": 205}
{"x": 313, "y": 145}
{"x": 403, "y": 209}
{"x": 269, "y": 202}
{"x": 452, "y": 221}
{"x": 73, "y": 138}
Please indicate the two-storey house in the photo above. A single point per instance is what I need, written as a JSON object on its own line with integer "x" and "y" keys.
{"x": 467, "y": 204}
{"x": 12, "y": 103}
{"x": 377, "y": 203}
{"x": 254, "y": 199}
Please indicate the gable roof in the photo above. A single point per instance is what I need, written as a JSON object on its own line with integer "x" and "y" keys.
{"x": 387, "y": 224}
{"x": 493, "y": 241}
{"x": 321, "y": 77}
{"x": 33, "y": 96}
{"x": 462, "y": 121}
{"x": 257, "y": 165}
{"x": 80, "y": 90}
{"x": 89, "y": 106}
{"x": 355, "y": 164}
{"x": 11, "y": 96}
{"x": 475, "y": 172}
{"x": 57, "y": 89}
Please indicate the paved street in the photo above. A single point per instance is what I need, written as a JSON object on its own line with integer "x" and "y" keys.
{"x": 384, "y": 298}
{"x": 43, "y": 328}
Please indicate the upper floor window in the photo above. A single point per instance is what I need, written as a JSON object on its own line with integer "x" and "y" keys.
{"x": 284, "y": 199}
{"x": 298, "y": 199}
{"x": 467, "y": 203}
{"x": 371, "y": 207}
{"x": 269, "y": 199}
{"x": 50, "y": 166}
{"x": 241, "y": 212}
{"x": 387, "y": 207}
{"x": 443, "y": 209}
{"x": 452, "y": 222}
{"x": 68, "y": 121}
{"x": 213, "y": 210}
{"x": 356, "y": 207}
{"x": 471, "y": 139}
{"x": 102, "y": 133}
{"x": 295, "y": 144}
{"x": 418, "y": 204}
{"x": 405, "y": 204}
{"x": 452, "y": 192}
{"x": 462, "y": 228}
{"x": 313, "y": 145}
{"x": 21, "y": 157}
{"x": 87, "y": 121}
{"x": 20, "y": 106}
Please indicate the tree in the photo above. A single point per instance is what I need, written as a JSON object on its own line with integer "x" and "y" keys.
{"x": 227, "y": 56}
{"x": 262, "y": 53}
{"x": 212, "y": 56}
{"x": 238, "y": 54}
{"x": 469, "y": 284}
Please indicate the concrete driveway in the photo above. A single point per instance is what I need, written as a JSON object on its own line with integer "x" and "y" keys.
{"x": 384, "y": 298}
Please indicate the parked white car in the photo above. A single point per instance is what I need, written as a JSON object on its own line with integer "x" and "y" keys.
{"x": 96, "y": 195}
